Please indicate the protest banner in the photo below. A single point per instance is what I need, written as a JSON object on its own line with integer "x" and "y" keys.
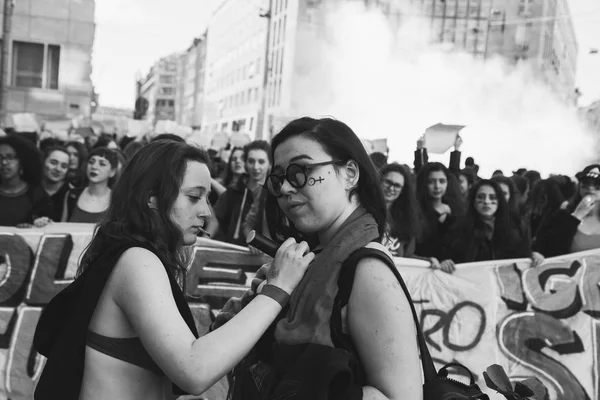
{"x": 534, "y": 322}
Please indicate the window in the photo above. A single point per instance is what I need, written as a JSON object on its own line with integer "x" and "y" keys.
{"x": 167, "y": 79}
{"x": 167, "y": 91}
{"x": 171, "y": 103}
{"x": 52, "y": 63}
{"x": 28, "y": 64}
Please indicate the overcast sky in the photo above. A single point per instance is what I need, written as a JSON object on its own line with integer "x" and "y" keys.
{"x": 132, "y": 34}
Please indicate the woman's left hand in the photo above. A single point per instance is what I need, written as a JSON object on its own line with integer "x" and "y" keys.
{"x": 537, "y": 259}
{"x": 41, "y": 222}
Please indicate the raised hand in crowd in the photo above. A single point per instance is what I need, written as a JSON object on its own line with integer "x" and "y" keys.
{"x": 457, "y": 143}
{"x": 421, "y": 144}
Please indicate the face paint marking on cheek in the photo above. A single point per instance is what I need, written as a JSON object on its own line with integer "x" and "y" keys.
{"x": 313, "y": 181}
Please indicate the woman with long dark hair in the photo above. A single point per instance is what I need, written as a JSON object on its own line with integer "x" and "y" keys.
{"x": 404, "y": 214}
{"x": 487, "y": 231}
{"x": 324, "y": 189}
{"x": 123, "y": 329}
{"x": 78, "y": 156}
{"x": 441, "y": 202}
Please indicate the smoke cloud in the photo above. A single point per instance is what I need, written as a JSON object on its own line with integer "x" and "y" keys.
{"x": 394, "y": 85}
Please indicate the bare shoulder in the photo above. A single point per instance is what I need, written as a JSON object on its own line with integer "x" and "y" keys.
{"x": 374, "y": 271}
{"x": 141, "y": 268}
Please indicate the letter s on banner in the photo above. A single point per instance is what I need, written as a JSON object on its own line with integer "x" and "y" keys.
{"x": 522, "y": 336}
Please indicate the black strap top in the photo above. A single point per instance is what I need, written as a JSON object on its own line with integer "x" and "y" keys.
{"x": 130, "y": 350}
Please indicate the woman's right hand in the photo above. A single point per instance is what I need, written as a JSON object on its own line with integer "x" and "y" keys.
{"x": 289, "y": 265}
{"x": 585, "y": 207}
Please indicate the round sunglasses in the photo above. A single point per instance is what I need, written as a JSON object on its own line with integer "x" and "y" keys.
{"x": 295, "y": 174}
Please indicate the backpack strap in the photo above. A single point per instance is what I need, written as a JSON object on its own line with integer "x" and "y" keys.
{"x": 345, "y": 282}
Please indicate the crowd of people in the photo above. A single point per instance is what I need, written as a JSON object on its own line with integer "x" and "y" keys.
{"x": 306, "y": 328}
{"x": 442, "y": 214}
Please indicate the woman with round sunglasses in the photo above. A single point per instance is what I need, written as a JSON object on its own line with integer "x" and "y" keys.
{"x": 404, "y": 214}
{"x": 324, "y": 189}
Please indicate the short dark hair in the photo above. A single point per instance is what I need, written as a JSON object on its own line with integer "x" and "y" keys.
{"x": 107, "y": 153}
{"x": 258, "y": 145}
{"x": 168, "y": 136}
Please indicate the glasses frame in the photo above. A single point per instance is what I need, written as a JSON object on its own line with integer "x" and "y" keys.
{"x": 392, "y": 185}
{"x": 305, "y": 168}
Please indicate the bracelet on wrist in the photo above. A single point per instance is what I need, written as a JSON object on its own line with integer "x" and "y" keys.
{"x": 276, "y": 293}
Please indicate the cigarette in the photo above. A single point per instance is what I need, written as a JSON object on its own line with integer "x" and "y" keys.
{"x": 204, "y": 232}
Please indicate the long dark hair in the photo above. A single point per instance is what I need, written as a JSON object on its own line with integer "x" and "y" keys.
{"x": 513, "y": 202}
{"x": 452, "y": 198}
{"x": 341, "y": 143}
{"x": 228, "y": 172}
{"x": 406, "y": 219}
{"x": 156, "y": 170}
{"x": 506, "y": 234}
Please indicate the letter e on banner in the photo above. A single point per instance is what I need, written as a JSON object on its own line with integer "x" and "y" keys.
{"x": 590, "y": 288}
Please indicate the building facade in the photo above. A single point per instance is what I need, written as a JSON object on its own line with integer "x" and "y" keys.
{"x": 159, "y": 88}
{"x": 190, "y": 91}
{"x": 235, "y": 62}
{"x": 537, "y": 32}
{"x": 50, "y": 62}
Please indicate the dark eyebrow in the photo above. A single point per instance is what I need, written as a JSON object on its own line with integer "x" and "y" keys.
{"x": 301, "y": 157}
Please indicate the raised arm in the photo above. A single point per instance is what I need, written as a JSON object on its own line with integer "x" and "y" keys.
{"x": 142, "y": 290}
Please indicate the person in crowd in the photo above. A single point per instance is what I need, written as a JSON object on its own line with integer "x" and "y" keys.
{"x": 379, "y": 159}
{"x": 106, "y": 141}
{"x": 520, "y": 172}
{"x": 258, "y": 163}
{"x": 509, "y": 191}
{"x": 532, "y": 176}
{"x": 48, "y": 142}
{"x": 467, "y": 178}
{"x": 123, "y": 329}
{"x": 233, "y": 205}
{"x": 78, "y": 156}
{"x": 487, "y": 231}
{"x": 521, "y": 185}
{"x": 439, "y": 197}
{"x": 544, "y": 200}
{"x": 497, "y": 172}
{"x": 403, "y": 212}
{"x": 576, "y": 226}
{"x": 54, "y": 182}
{"x": 422, "y": 158}
{"x": 236, "y": 167}
{"x": 22, "y": 199}
{"x": 324, "y": 189}
{"x": 90, "y": 204}
{"x": 90, "y": 141}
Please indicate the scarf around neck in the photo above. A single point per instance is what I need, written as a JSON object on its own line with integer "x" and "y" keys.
{"x": 311, "y": 303}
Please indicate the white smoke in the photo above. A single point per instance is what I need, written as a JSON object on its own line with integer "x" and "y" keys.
{"x": 394, "y": 85}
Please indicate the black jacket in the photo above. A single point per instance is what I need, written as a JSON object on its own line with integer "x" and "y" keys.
{"x": 475, "y": 245}
{"x": 61, "y": 331}
{"x": 555, "y": 235}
